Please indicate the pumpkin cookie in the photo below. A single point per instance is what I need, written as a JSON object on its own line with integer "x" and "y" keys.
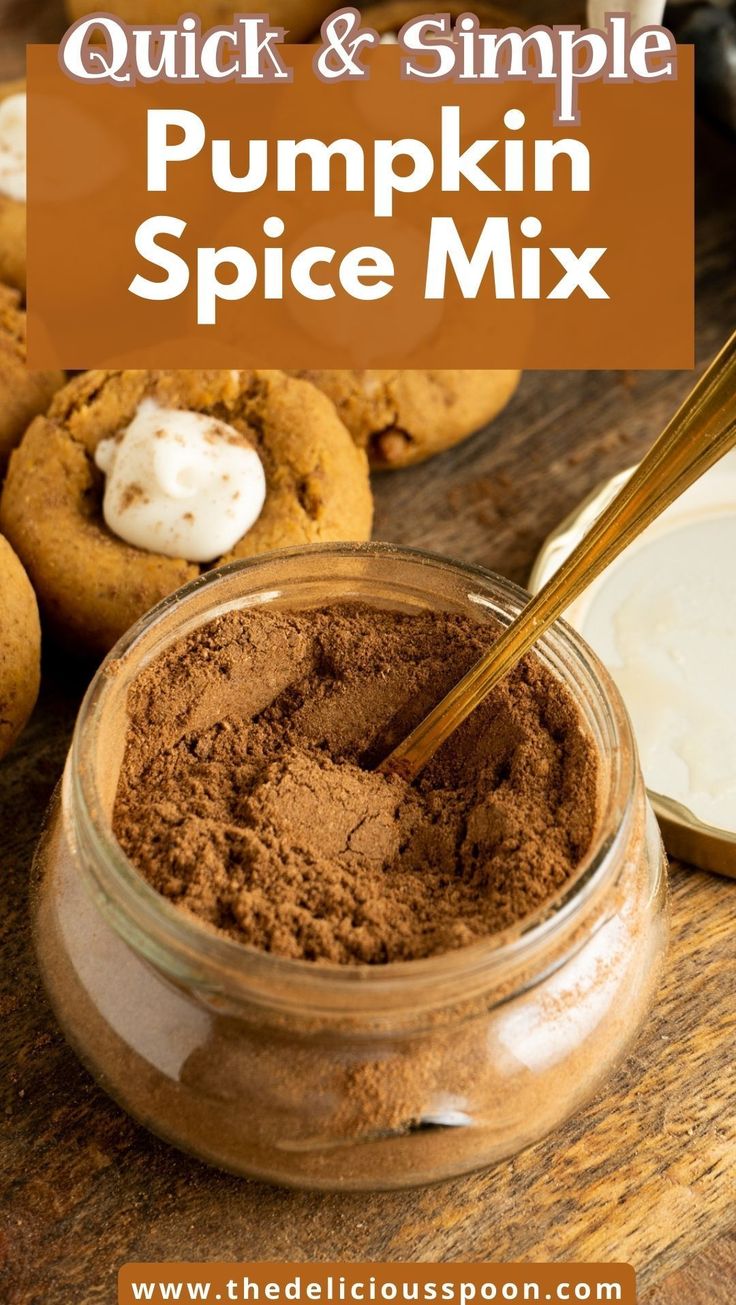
{"x": 13, "y": 184}
{"x": 23, "y": 393}
{"x": 299, "y": 17}
{"x": 401, "y": 417}
{"x": 387, "y": 17}
{"x": 137, "y": 481}
{"x": 20, "y": 648}
{"x": 390, "y": 15}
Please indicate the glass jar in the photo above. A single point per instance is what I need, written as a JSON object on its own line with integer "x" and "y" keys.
{"x": 333, "y": 1076}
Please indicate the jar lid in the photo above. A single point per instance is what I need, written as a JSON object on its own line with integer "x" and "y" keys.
{"x": 662, "y": 618}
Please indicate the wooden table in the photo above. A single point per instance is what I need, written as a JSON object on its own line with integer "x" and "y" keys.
{"x": 88, "y": 1189}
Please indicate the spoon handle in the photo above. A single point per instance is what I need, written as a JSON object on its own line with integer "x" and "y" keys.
{"x": 701, "y": 431}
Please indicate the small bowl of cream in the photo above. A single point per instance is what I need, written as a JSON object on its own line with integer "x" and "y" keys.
{"x": 662, "y": 618}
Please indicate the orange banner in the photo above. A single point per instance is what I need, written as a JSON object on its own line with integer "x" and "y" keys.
{"x": 182, "y": 225}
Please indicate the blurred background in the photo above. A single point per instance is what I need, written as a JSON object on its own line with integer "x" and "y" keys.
{"x": 710, "y": 25}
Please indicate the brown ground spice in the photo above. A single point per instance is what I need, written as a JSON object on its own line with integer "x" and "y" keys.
{"x": 247, "y": 796}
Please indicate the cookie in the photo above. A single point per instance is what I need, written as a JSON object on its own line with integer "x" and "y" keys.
{"x": 12, "y": 194}
{"x": 23, "y": 393}
{"x": 92, "y": 584}
{"x": 402, "y": 417}
{"x": 20, "y": 648}
{"x": 299, "y": 17}
{"x": 390, "y": 15}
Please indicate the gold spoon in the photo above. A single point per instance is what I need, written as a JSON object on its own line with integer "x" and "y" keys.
{"x": 701, "y": 431}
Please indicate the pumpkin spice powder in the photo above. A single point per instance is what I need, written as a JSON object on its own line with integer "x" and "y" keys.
{"x": 248, "y": 796}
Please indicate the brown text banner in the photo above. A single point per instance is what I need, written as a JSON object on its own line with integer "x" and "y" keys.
{"x": 543, "y": 246}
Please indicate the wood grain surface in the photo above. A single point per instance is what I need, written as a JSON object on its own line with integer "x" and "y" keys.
{"x": 647, "y": 1173}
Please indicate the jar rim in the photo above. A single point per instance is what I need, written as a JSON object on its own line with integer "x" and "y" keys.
{"x": 192, "y": 953}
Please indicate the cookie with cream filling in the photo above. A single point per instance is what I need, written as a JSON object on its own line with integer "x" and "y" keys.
{"x": 94, "y": 581}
